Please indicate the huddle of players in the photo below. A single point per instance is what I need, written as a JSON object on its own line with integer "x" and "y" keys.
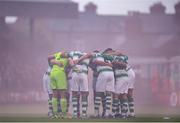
{"x": 113, "y": 81}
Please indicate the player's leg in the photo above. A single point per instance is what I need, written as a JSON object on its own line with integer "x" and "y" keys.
{"x": 63, "y": 102}
{"x": 68, "y": 98}
{"x": 131, "y": 81}
{"x": 116, "y": 98}
{"x": 97, "y": 104}
{"x": 84, "y": 90}
{"x": 115, "y": 105}
{"x": 62, "y": 89}
{"x": 124, "y": 105}
{"x": 103, "y": 97}
{"x": 55, "y": 103}
{"x": 78, "y": 108}
{"x": 75, "y": 97}
{"x": 98, "y": 98}
{"x": 68, "y": 94}
{"x": 75, "y": 103}
{"x": 131, "y": 102}
{"x": 119, "y": 115}
{"x": 118, "y": 109}
{"x": 50, "y": 95}
{"x": 100, "y": 89}
{"x": 122, "y": 88}
{"x": 110, "y": 88}
{"x": 108, "y": 104}
{"x": 53, "y": 86}
{"x": 94, "y": 88}
{"x": 47, "y": 88}
{"x": 59, "y": 105}
{"x": 50, "y": 112}
{"x": 84, "y": 101}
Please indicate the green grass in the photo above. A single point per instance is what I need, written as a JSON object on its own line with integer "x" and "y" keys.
{"x": 37, "y": 113}
{"x": 46, "y": 119}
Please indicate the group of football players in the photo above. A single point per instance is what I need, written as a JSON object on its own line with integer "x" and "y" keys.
{"x": 113, "y": 83}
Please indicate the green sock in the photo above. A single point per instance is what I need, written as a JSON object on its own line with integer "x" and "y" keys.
{"x": 63, "y": 105}
{"x": 55, "y": 105}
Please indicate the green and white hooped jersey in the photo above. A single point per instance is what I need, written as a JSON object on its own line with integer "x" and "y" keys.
{"x": 100, "y": 57}
{"x": 75, "y": 54}
{"x": 122, "y": 58}
{"x": 83, "y": 65}
{"x": 118, "y": 73}
{"x": 118, "y": 58}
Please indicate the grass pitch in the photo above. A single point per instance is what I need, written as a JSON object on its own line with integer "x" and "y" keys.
{"x": 46, "y": 119}
{"x": 37, "y": 113}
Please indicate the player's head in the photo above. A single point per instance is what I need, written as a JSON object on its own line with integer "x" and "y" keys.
{"x": 96, "y": 51}
{"x": 108, "y": 50}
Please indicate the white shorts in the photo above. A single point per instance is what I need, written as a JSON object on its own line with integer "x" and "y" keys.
{"x": 121, "y": 85}
{"x": 46, "y": 84}
{"x": 131, "y": 78}
{"x": 105, "y": 81}
{"x": 79, "y": 82}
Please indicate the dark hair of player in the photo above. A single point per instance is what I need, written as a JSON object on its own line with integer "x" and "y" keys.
{"x": 96, "y": 51}
{"x": 108, "y": 49}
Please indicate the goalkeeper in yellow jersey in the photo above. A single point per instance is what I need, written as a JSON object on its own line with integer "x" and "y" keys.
{"x": 59, "y": 62}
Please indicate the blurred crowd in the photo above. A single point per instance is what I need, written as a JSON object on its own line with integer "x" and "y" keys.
{"x": 20, "y": 78}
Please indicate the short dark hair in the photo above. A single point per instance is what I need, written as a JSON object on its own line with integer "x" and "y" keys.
{"x": 108, "y": 49}
{"x": 96, "y": 51}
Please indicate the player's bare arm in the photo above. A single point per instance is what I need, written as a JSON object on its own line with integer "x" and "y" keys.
{"x": 50, "y": 57}
{"x": 118, "y": 53}
{"x": 70, "y": 62}
{"x": 88, "y": 55}
{"x": 64, "y": 55}
{"x": 101, "y": 63}
{"x": 119, "y": 63}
